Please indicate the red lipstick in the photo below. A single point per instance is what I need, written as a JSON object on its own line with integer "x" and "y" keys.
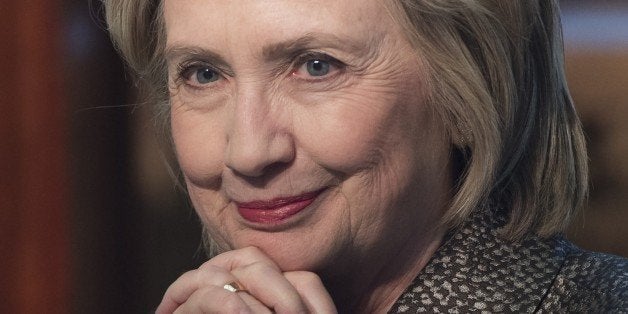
{"x": 276, "y": 210}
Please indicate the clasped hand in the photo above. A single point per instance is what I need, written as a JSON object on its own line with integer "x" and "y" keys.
{"x": 267, "y": 288}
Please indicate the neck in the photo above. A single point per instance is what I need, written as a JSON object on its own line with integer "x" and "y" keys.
{"x": 374, "y": 284}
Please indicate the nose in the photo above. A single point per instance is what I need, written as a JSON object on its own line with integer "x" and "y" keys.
{"x": 257, "y": 139}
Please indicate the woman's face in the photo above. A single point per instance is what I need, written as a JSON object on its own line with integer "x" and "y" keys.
{"x": 302, "y": 128}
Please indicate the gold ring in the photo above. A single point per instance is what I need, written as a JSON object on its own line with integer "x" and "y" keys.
{"x": 233, "y": 287}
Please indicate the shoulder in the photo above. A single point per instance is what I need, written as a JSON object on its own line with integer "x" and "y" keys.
{"x": 589, "y": 281}
{"x": 477, "y": 270}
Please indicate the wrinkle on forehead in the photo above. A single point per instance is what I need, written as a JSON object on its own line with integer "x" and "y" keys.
{"x": 282, "y": 49}
{"x": 213, "y": 22}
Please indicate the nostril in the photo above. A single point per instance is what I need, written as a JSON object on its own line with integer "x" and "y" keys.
{"x": 249, "y": 164}
{"x": 261, "y": 177}
{"x": 247, "y": 169}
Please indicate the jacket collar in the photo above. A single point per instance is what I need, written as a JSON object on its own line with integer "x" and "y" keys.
{"x": 475, "y": 269}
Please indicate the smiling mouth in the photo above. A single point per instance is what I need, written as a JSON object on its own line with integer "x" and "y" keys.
{"x": 276, "y": 210}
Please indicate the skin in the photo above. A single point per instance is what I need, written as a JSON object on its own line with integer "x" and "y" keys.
{"x": 265, "y": 127}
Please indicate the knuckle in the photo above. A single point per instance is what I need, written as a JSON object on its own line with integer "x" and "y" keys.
{"x": 188, "y": 275}
{"x": 211, "y": 299}
{"x": 252, "y": 252}
{"x": 259, "y": 268}
{"x": 233, "y": 304}
{"x": 210, "y": 268}
{"x": 186, "y": 278}
{"x": 205, "y": 264}
{"x": 306, "y": 278}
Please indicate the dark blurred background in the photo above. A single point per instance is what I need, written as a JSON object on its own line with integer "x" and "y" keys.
{"x": 90, "y": 220}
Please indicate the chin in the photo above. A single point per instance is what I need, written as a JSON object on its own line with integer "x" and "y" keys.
{"x": 293, "y": 251}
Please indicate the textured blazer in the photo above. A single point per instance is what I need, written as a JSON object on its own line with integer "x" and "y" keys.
{"x": 476, "y": 270}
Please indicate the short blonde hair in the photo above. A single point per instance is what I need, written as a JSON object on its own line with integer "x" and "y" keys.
{"x": 496, "y": 79}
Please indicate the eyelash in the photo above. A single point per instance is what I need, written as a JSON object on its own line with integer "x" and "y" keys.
{"x": 186, "y": 69}
{"x": 302, "y": 59}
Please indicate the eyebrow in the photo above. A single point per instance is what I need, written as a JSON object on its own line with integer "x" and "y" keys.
{"x": 179, "y": 51}
{"x": 289, "y": 48}
{"x": 274, "y": 51}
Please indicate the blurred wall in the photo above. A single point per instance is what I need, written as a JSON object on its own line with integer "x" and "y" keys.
{"x": 596, "y": 47}
{"x": 132, "y": 233}
{"x": 35, "y": 264}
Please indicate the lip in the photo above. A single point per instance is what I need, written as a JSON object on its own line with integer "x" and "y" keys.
{"x": 276, "y": 210}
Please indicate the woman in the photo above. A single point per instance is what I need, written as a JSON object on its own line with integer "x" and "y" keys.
{"x": 372, "y": 156}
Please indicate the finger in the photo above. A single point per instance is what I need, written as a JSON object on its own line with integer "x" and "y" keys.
{"x": 255, "y": 305}
{"x": 267, "y": 284}
{"x": 180, "y": 290}
{"x": 312, "y": 291}
{"x": 238, "y": 258}
{"x": 213, "y": 299}
{"x": 262, "y": 278}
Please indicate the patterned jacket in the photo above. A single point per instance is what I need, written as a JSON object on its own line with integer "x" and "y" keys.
{"x": 475, "y": 270}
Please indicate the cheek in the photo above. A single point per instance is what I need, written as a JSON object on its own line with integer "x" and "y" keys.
{"x": 199, "y": 145}
{"x": 342, "y": 143}
{"x": 355, "y": 130}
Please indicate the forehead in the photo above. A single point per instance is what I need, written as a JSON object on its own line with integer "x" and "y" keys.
{"x": 243, "y": 23}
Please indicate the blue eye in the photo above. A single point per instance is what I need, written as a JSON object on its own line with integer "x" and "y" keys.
{"x": 317, "y": 67}
{"x": 206, "y": 76}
